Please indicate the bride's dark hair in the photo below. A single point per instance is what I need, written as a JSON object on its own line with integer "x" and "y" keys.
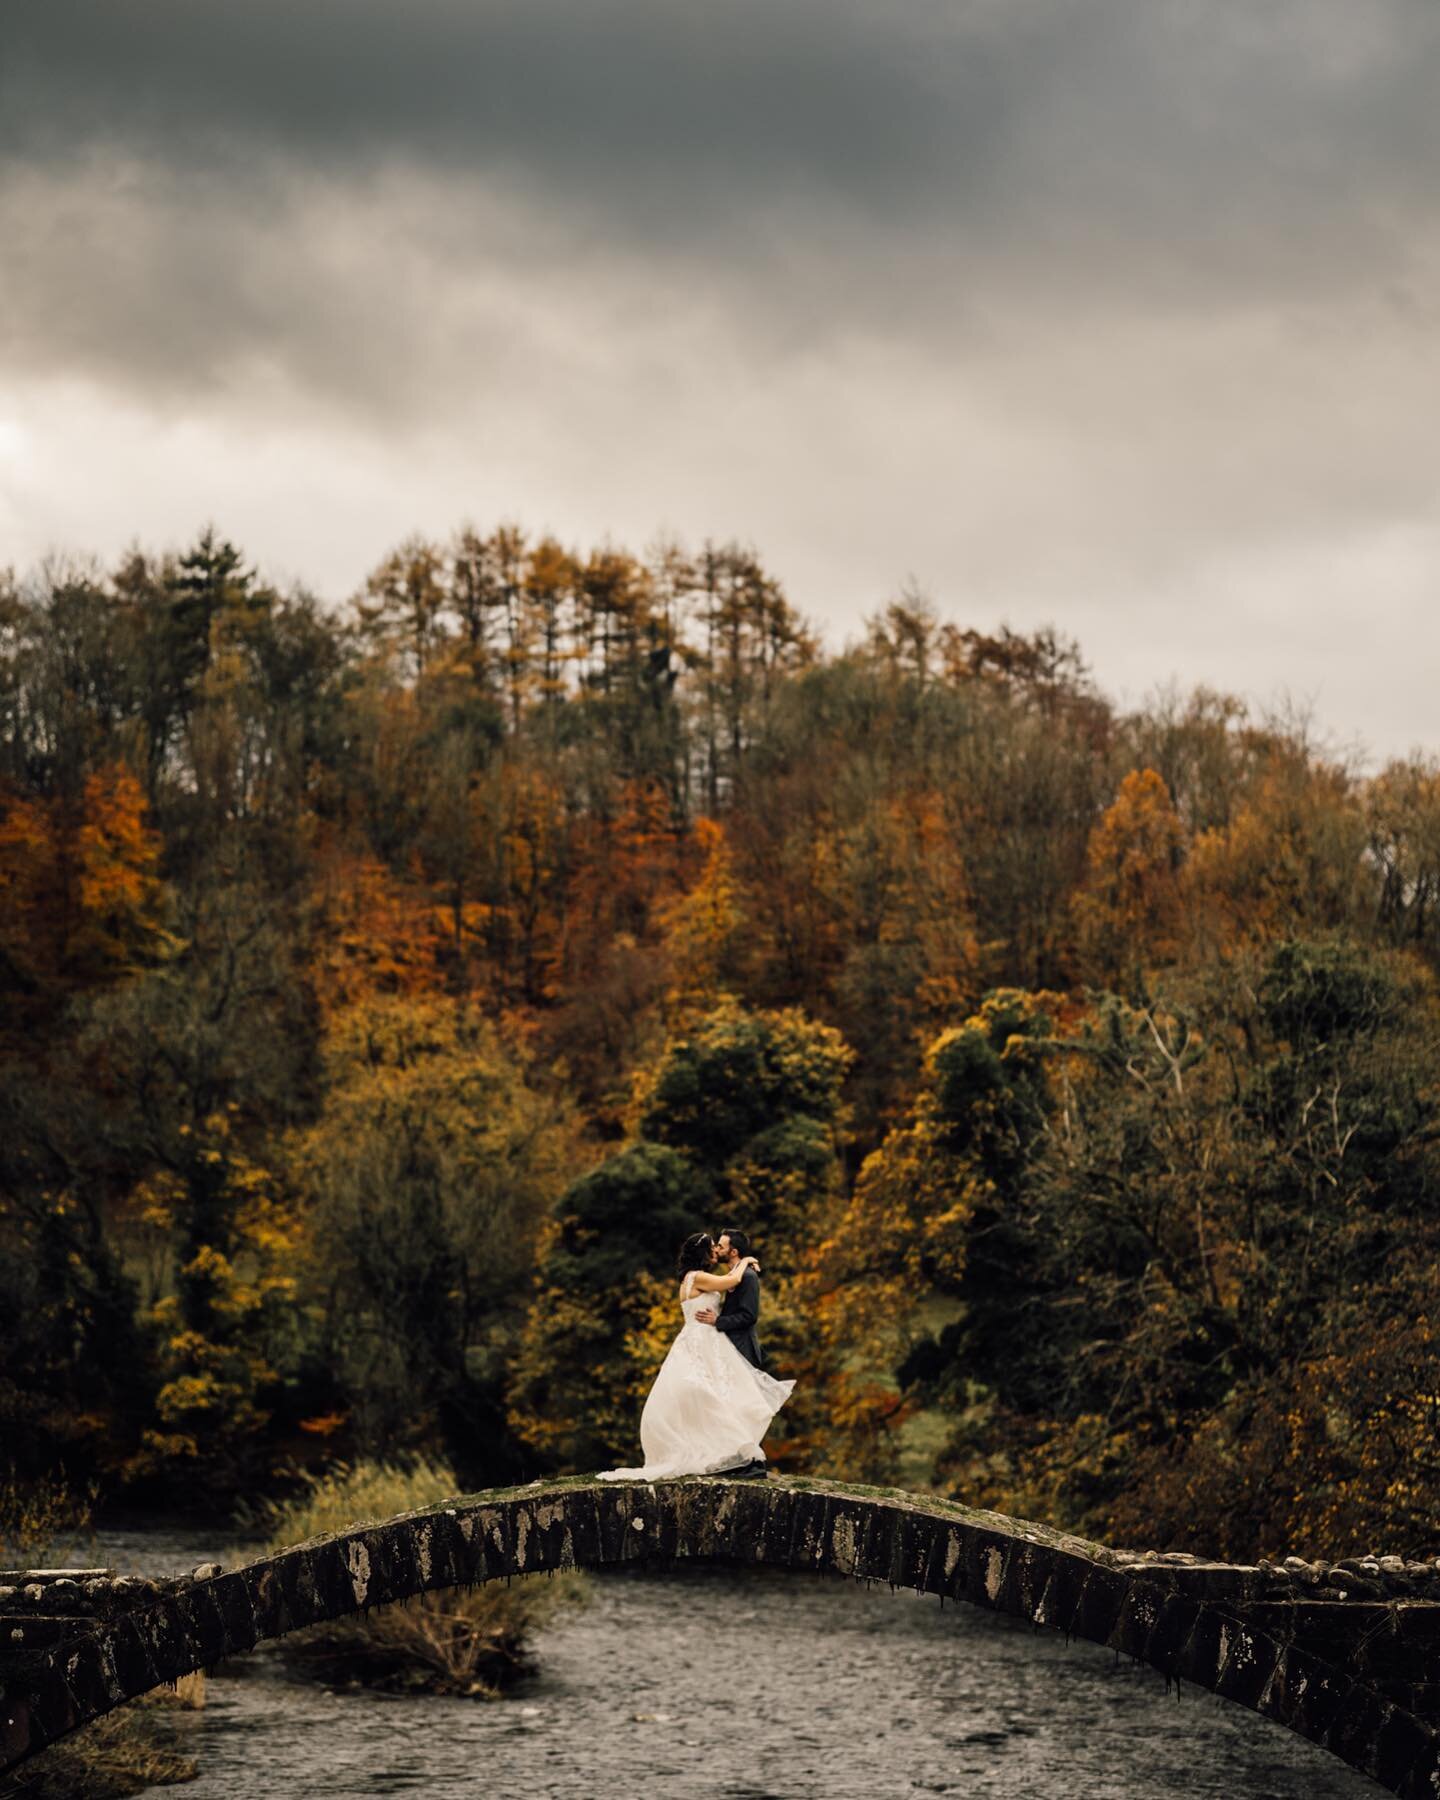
{"x": 695, "y": 1253}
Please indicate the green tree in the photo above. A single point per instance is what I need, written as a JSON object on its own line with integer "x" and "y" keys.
{"x": 193, "y": 1072}
{"x": 1214, "y": 1323}
{"x": 738, "y": 1116}
{"x": 922, "y": 1243}
{"x": 604, "y": 1263}
{"x": 425, "y": 1181}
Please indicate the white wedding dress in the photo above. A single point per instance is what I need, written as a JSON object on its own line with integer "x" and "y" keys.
{"x": 708, "y": 1408}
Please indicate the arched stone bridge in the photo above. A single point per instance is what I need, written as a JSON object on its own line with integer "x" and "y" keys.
{"x": 1353, "y": 1672}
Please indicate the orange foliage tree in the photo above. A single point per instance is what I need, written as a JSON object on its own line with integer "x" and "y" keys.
{"x": 1127, "y": 913}
{"x": 81, "y": 897}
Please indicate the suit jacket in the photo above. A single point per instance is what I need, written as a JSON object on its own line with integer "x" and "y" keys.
{"x": 738, "y": 1317}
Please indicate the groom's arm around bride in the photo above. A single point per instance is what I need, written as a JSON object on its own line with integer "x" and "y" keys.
{"x": 739, "y": 1315}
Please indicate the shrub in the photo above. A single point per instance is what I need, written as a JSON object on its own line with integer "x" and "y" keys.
{"x": 37, "y": 1516}
{"x": 472, "y": 1641}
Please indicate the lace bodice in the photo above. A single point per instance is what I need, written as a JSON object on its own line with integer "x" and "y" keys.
{"x": 699, "y": 1302}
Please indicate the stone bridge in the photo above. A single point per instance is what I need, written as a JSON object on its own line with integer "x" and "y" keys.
{"x": 1348, "y": 1656}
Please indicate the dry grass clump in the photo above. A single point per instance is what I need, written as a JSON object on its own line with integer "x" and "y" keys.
{"x": 188, "y": 1693}
{"x": 40, "y": 1517}
{"x": 129, "y": 1750}
{"x": 473, "y": 1641}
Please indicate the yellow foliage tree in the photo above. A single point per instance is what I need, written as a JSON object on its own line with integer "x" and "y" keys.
{"x": 232, "y": 1236}
{"x": 892, "y": 1270}
{"x": 702, "y": 929}
{"x": 1127, "y": 914}
{"x": 1290, "y": 859}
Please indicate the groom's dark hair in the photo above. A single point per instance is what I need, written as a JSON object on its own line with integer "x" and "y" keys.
{"x": 739, "y": 1240}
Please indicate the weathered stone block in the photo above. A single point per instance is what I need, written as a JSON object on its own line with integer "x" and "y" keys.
{"x": 327, "y": 1590}
{"x": 443, "y": 1548}
{"x": 688, "y": 1505}
{"x": 901, "y": 1549}
{"x": 527, "y": 1546}
{"x": 231, "y": 1594}
{"x": 1422, "y": 1780}
{"x": 810, "y": 1533}
{"x": 626, "y": 1516}
{"x": 923, "y": 1542}
{"x": 304, "y": 1600}
{"x": 1236, "y": 1584}
{"x": 1101, "y": 1599}
{"x": 131, "y": 1658}
{"x": 52, "y": 1709}
{"x": 749, "y": 1521}
{"x": 1024, "y": 1579}
{"x": 267, "y": 1598}
{"x": 553, "y": 1544}
{"x": 1197, "y": 1659}
{"x": 487, "y": 1532}
{"x": 1304, "y": 1693}
{"x": 768, "y": 1516}
{"x": 1060, "y": 1603}
{"x": 1401, "y": 1743}
{"x": 394, "y": 1568}
{"x": 666, "y": 1526}
{"x": 164, "y": 1628}
{"x": 18, "y": 1731}
{"x": 1422, "y": 1698}
{"x": 1356, "y": 1727}
{"x": 89, "y": 1677}
{"x": 1417, "y": 1622}
{"x": 845, "y": 1549}
{"x": 986, "y": 1555}
{"x": 1139, "y": 1615}
{"x": 201, "y": 1625}
{"x": 1387, "y": 1657}
{"x": 1249, "y": 1662}
{"x": 1177, "y": 1614}
{"x": 875, "y": 1530}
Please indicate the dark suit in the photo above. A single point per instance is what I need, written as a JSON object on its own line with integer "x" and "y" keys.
{"x": 738, "y": 1317}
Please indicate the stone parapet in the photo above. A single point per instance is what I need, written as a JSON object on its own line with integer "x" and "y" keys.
{"x": 1355, "y": 1672}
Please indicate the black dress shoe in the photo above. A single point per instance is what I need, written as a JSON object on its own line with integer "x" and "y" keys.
{"x": 753, "y": 1471}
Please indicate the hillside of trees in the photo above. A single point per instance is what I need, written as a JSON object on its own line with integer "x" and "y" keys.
{"x": 387, "y": 986}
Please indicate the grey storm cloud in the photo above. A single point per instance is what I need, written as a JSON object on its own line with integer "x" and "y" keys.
{"x": 1195, "y": 143}
{"x": 358, "y": 197}
{"x": 1133, "y": 303}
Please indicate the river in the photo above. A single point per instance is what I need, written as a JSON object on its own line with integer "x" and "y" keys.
{"x": 748, "y": 1685}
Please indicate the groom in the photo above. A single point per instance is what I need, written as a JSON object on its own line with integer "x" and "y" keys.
{"x": 738, "y": 1315}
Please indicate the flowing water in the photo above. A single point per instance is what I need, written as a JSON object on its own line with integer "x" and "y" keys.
{"x": 749, "y": 1685}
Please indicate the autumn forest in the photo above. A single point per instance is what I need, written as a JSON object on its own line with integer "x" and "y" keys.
{"x": 386, "y": 988}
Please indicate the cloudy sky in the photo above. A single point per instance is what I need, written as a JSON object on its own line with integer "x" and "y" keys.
{"x": 1118, "y": 314}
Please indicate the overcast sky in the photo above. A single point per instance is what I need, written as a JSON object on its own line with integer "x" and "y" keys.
{"x": 1118, "y": 314}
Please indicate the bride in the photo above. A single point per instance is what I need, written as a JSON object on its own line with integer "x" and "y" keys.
{"x": 708, "y": 1408}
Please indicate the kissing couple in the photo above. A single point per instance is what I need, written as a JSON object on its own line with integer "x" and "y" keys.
{"x": 712, "y": 1401}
